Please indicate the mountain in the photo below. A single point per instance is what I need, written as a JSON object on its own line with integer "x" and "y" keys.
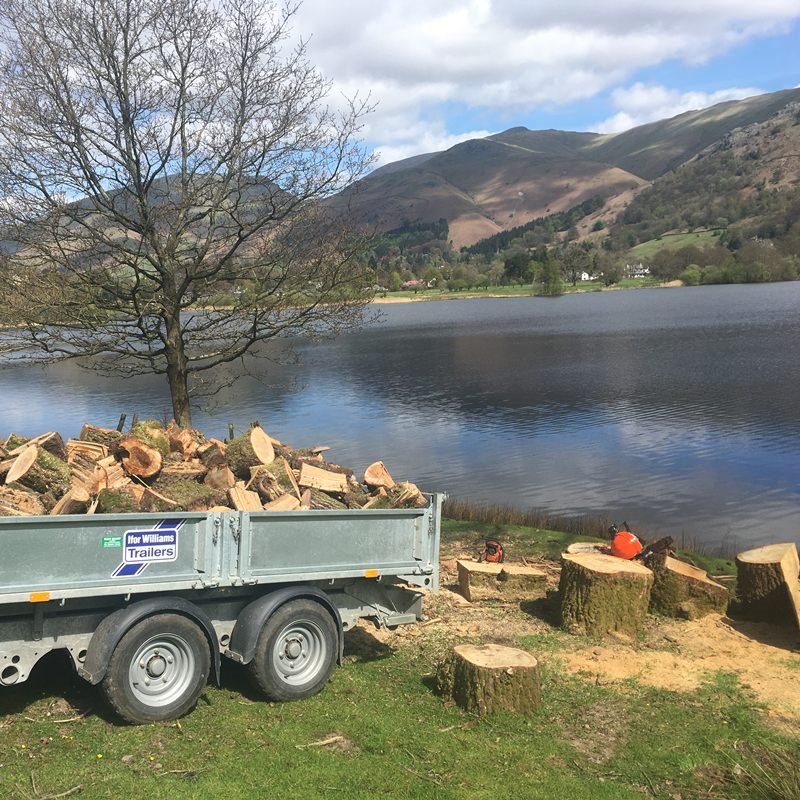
{"x": 484, "y": 186}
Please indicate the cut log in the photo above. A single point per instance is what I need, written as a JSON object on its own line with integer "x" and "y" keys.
{"x": 139, "y": 459}
{"x": 322, "y": 500}
{"x": 75, "y": 501}
{"x": 767, "y": 588}
{"x": 91, "y": 450}
{"x": 682, "y": 590}
{"x": 316, "y": 478}
{"x": 93, "y": 476}
{"x": 486, "y": 678}
{"x": 183, "y": 441}
{"x": 274, "y": 480}
{"x": 600, "y": 594}
{"x": 376, "y": 475}
{"x": 406, "y": 495}
{"x": 40, "y": 471}
{"x": 244, "y": 500}
{"x": 106, "y": 436}
{"x": 213, "y": 453}
{"x": 508, "y": 582}
{"x": 220, "y": 477}
{"x": 119, "y": 501}
{"x": 183, "y": 470}
{"x": 18, "y": 502}
{"x": 286, "y": 502}
{"x": 249, "y": 450}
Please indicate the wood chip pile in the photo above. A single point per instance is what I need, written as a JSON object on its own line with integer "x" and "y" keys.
{"x": 156, "y": 469}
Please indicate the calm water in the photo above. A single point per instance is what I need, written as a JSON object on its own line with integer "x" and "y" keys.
{"x": 677, "y": 410}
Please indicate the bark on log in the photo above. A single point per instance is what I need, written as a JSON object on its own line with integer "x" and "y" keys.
{"x": 600, "y": 594}
{"x": 40, "y": 471}
{"x": 220, "y": 478}
{"x": 249, "y": 450}
{"x": 486, "y": 678}
{"x": 92, "y": 433}
{"x": 376, "y": 475}
{"x": 183, "y": 441}
{"x": 139, "y": 459}
{"x": 18, "y": 502}
{"x": 213, "y": 453}
{"x": 75, "y": 501}
{"x": 767, "y": 588}
{"x": 682, "y": 590}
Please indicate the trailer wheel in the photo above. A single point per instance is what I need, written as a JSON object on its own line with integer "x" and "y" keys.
{"x": 296, "y": 651}
{"x": 158, "y": 669}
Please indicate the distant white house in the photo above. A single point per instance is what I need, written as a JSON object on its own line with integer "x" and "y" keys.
{"x": 585, "y": 276}
{"x": 637, "y": 270}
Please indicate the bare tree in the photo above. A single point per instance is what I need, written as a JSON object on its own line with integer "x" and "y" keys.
{"x": 162, "y": 169}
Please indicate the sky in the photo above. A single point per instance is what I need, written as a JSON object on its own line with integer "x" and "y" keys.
{"x": 443, "y": 71}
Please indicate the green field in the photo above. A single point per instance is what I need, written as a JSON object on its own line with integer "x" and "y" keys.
{"x": 674, "y": 241}
{"x": 380, "y": 730}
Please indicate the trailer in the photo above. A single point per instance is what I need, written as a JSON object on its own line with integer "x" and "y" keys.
{"x": 146, "y": 605}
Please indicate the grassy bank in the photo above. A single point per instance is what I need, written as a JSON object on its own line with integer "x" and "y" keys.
{"x": 379, "y": 729}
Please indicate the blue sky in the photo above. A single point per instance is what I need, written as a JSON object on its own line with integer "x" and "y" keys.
{"x": 456, "y": 69}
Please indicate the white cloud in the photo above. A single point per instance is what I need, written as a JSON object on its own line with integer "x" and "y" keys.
{"x": 642, "y": 103}
{"x": 417, "y": 58}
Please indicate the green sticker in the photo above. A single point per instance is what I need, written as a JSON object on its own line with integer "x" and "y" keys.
{"x": 112, "y": 541}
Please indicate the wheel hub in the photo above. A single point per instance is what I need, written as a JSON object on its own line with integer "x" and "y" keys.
{"x": 156, "y": 666}
{"x": 293, "y": 649}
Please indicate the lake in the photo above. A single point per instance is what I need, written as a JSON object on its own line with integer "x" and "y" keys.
{"x": 675, "y": 409}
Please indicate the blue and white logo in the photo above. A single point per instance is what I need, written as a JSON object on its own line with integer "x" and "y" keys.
{"x": 142, "y": 547}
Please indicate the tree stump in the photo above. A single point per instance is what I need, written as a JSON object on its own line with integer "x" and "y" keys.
{"x": 510, "y": 582}
{"x": 767, "y": 587}
{"x": 489, "y": 677}
{"x": 684, "y": 591}
{"x": 600, "y": 594}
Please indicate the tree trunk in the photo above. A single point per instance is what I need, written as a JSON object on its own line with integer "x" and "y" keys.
{"x": 489, "y": 677}
{"x": 767, "y": 587}
{"x": 177, "y": 367}
{"x": 600, "y": 594}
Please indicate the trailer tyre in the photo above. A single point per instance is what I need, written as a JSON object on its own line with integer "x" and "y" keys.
{"x": 158, "y": 669}
{"x": 296, "y": 651}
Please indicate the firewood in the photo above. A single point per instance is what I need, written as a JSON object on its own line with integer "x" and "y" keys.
{"x": 139, "y": 459}
{"x": 118, "y": 501}
{"x": 406, "y": 495}
{"x": 183, "y": 441}
{"x": 40, "y": 471}
{"x": 486, "y": 678}
{"x": 184, "y": 470}
{"x": 305, "y": 499}
{"x": 220, "y": 477}
{"x": 286, "y": 502}
{"x": 316, "y": 478}
{"x": 322, "y": 500}
{"x": 601, "y": 594}
{"x": 377, "y": 475}
{"x": 106, "y": 436}
{"x": 16, "y": 501}
{"x": 767, "y": 588}
{"x": 213, "y": 453}
{"x": 249, "y": 450}
{"x": 91, "y": 450}
{"x": 683, "y": 591}
{"x": 75, "y": 501}
{"x": 244, "y": 500}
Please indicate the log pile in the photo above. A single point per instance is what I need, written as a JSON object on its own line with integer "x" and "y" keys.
{"x": 164, "y": 469}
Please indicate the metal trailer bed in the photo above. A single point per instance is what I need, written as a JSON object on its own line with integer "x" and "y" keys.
{"x": 145, "y": 604}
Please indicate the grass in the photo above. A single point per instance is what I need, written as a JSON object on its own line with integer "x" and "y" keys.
{"x": 674, "y": 241}
{"x": 387, "y": 734}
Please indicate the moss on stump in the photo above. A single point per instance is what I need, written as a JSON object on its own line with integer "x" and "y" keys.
{"x": 684, "y": 591}
{"x": 600, "y": 594}
{"x": 489, "y": 677}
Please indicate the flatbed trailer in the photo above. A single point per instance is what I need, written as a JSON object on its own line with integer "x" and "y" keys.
{"x": 147, "y": 604}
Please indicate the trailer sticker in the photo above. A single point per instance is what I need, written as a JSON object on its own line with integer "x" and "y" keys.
{"x": 112, "y": 541}
{"x": 144, "y": 546}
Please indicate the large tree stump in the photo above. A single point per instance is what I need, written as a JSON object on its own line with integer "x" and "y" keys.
{"x": 510, "y": 582}
{"x": 684, "y": 591}
{"x": 489, "y": 677}
{"x": 600, "y": 594}
{"x": 767, "y": 587}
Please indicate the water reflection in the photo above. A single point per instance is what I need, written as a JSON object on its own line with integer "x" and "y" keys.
{"x": 674, "y": 409}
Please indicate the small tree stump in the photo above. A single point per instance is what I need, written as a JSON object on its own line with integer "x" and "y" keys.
{"x": 600, "y": 594}
{"x": 489, "y": 677}
{"x": 481, "y": 581}
{"x": 684, "y": 591}
{"x": 767, "y": 587}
